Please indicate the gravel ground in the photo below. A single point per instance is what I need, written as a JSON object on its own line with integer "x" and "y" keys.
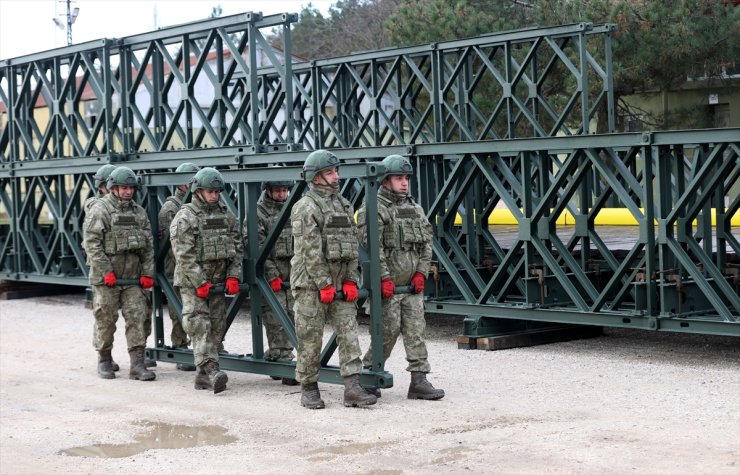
{"x": 628, "y": 402}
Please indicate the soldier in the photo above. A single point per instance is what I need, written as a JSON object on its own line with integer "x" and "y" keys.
{"x": 326, "y": 257}
{"x": 405, "y": 255}
{"x": 207, "y": 244}
{"x": 277, "y": 269}
{"x": 101, "y": 190}
{"x": 170, "y": 207}
{"x": 118, "y": 239}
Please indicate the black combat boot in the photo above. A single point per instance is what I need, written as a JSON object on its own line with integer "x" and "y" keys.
{"x": 185, "y": 366}
{"x": 138, "y": 371}
{"x": 311, "y": 397}
{"x": 290, "y": 382}
{"x": 355, "y": 395}
{"x": 420, "y": 388}
{"x": 218, "y": 378}
{"x": 202, "y": 381}
{"x": 105, "y": 367}
{"x": 374, "y": 391}
{"x": 114, "y": 365}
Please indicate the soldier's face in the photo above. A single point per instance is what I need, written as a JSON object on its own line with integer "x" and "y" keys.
{"x": 278, "y": 193}
{"x": 398, "y": 183}
{"x": 328, "y": 177}
{"x": 209, "y": 196}
{"x": 102, "y": 189}
{"x": 124, "y": 192}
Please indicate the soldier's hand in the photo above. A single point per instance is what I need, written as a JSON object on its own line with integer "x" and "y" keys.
{"x": 146, "y": 282}
{"x": 326, "y": 295}
{"x": 417, "y": 282}
{"x": 387, "y": 287}
{"x": 232, "y": 286}
{"x": 110, "y": 279}
{"x": 203, "y": 290}
{"x": 276, "y": 284}
{"x": 350, "y": 291}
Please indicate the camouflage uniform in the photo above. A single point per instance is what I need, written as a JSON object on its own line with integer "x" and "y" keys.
{"x": 118, "y": 239}
{"x": 207, "y": 245}
{"x": 87, "y": 206}
{"x": 170, "y": 207}
{"x": 405, "y": 249}
{"x": 325, "y": 238}
{"x": 277, "y": 264}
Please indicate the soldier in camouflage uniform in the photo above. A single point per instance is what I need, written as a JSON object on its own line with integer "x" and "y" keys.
{"x": 101, "y": 190}
{"x": 326, "y": 257}
{"x": 405, "y": 256}
{"x": 277, "y": 269}
{"x": 118, "y": 239}
{"x": 208, "y": 249}
{"x": 170, "y": 207}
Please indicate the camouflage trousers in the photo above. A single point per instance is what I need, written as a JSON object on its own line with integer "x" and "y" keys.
{"x": 133, "y": 302}
{"x": 178, "y": 337}
{"x": 204, "y": 320}
{"x": 404, "y": 314}
{"x": 279, "y": 345}
{"x": 310, "y": 317}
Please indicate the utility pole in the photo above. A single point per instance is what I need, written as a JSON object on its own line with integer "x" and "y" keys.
{"x": 71, "y": 17}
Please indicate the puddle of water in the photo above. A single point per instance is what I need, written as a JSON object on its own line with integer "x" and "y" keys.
{"x": 159, "y": 436}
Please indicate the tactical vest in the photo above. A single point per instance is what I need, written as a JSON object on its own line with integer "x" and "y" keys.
{"x": 126, "y": 234}
{"x": 339, "y": 238}
{"x": 283, "y": 248}
{"x": 405, "y": 230}
{"x": 213, "y": 241}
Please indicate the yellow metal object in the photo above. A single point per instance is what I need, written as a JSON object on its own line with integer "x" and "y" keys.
{"x": 606, "y": 217}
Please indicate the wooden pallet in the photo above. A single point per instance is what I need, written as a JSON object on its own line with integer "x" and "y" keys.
{"x": 528, "y": 338}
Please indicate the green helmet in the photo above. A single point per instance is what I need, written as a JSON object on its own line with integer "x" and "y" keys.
{"x": 122, "y": 176}
{"x": 397, "y": 165}
{"x": 317, "y": 161}
{"x": 187, "y": 167}
{"x": 101, "y": 176}
{"x": 277, "y": 183}
{"x": 207, "y": 178}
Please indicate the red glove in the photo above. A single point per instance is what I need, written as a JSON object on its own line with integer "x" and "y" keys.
{"x": 326, "y": 295}
{"x": 203, "y": 290}
{"x": 276, "y": 284}
{"x": 417, "y": 282}
{"x": 146, "y": 282}
{"x": 110, "y": 279}
{"x": 350, "y": 291}
{"x": 387, "y": 287}
{"x": 232, "y": 286}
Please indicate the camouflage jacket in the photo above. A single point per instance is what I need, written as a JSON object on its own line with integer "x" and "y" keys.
{"x": 118, "y": 239}
{"x": 207, "y": 244}
{"x": 405, "y": 236}
{"x": 170, "y": 207}
{"x": 86, "y": 207}
{"x": 325, "y": 240}
{"x": 277, "y": 263}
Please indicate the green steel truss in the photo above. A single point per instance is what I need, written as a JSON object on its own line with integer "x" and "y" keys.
{"x": 500, "y": 120}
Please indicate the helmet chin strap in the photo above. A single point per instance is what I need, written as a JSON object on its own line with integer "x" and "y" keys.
{"x": 326, "y": 183}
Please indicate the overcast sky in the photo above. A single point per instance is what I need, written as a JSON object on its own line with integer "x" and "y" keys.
{"x": 27, "y": 26}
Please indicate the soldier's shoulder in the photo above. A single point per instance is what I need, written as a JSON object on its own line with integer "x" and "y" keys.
{"x": 185, "y": 213}
{"x": 304, "y": 204}
{"x": 89, "y": 203}
{"x": 171, "y": 204}
{"x": 97, "y": 207}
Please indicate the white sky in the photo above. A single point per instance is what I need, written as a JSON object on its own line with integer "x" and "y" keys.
{"x": 27, "y": 26}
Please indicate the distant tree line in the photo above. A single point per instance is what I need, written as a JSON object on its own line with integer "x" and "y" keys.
{"x": 659, "y": 44}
